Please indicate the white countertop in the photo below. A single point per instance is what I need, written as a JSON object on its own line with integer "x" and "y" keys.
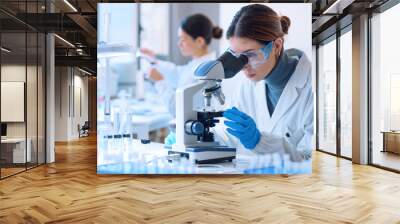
{"x": 129, "y": 156}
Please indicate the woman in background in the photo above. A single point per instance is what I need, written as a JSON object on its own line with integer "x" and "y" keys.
{"x": 195, "y": 35}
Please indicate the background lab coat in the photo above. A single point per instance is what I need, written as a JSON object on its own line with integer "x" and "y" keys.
{"x": 290, "y": 129}
{"x": 177, "y": 76}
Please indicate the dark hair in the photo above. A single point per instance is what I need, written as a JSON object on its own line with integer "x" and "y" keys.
{"x": 258, "y": 22}
{"x": 199, "y": 25}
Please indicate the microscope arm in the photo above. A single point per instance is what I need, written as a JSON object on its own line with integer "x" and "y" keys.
{"x": 225, "y": 67}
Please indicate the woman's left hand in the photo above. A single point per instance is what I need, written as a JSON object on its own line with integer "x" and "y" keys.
{"x": 243, "y": 127}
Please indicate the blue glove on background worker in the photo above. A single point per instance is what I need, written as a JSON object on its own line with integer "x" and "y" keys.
{"x": 243, "y": 127}
{"x": 170, "y": 139}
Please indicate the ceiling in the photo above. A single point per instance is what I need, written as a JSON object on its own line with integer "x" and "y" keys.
{"x": 76, "y": 22}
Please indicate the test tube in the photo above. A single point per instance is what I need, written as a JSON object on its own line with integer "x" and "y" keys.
{"x": 109, "y": 143}
{"x": 126, "y": 141}
{"x": 276, "y": 160}
{"x": 287, "y": 163}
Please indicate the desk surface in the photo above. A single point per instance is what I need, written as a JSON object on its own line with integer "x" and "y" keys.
{"x": 151, "y": 119}
{"x": 13, "y": 140}
{"x": 132, "y": 157}
{"x": 391, "y": 132}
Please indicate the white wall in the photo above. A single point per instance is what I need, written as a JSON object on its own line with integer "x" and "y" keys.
{"x": 80, "y": 83}
{"x": 70, "y": 83}
{"x": 16, "y": 73}
{"x": 33, "y": 126}
{"x": 61, "y": 104}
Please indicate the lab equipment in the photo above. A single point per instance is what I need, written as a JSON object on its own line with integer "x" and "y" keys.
{"x": 127, "y": 140}
{"x": 194, "y": 139}
{"x": 145, "y": 141}
{"x": 112, "y": 121}
{"x": 243, "y": 127}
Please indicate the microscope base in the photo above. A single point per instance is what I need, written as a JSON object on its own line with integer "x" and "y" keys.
{"x": 208, "y": 155}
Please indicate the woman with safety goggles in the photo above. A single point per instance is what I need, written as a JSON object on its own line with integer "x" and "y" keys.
{"x": 273, "y": 109}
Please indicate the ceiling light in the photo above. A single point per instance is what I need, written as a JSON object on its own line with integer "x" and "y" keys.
{"x": 65, "y": 41}
{"x": 5, "y": 50}
{"x": 337, "y": 7}
{"x": 84, "y": 71}
{"x": 70, "y": 5}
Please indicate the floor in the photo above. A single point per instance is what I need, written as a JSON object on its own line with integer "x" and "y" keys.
{"x": 70, "y": 191}
{"x": 5, "y": 172}
{"x": 10, "y": 171}
{"x": 386, "y": 159}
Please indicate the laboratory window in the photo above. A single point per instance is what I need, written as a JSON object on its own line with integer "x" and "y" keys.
{"x": 385, "y": 89}
{"x": 346, "y": 93}
{"x": 327, "y": 96}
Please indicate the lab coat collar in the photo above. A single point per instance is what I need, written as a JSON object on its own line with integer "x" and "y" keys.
{"x": 290, "y": 93}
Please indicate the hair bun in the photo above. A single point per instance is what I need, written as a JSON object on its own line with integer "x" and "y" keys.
{"x": 217, "y": 32}
{"x": 285, "y": 23}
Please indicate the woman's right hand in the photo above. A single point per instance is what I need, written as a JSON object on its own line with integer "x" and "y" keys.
{"x": 148, "y": 52}
{"x": 155, "y": 75}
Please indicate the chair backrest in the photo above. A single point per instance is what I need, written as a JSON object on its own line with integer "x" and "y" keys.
{"x": 86, "y": 125}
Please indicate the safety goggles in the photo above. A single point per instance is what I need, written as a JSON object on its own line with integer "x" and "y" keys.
{"x": 256, "y": 57}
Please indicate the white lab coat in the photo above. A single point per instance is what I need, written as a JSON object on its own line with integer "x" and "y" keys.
{"x": 290, "y": 128}
{"x": 176, "y": 76}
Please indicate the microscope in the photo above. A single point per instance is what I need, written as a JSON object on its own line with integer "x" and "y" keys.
{"x": 194, "y": 139}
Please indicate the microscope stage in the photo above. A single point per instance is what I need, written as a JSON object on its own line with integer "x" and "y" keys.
{"x": 203, "y": 155}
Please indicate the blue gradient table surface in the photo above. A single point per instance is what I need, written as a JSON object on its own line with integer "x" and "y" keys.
{"x": 129, "y": 156}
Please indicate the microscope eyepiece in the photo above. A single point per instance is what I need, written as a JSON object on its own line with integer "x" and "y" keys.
{"x": 232, "y": 64}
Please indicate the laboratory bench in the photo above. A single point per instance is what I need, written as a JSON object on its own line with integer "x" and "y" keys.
{"x": 131, "y": 156}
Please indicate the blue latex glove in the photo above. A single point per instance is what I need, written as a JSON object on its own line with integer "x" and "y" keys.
{"x": 170, "y": 139}
{"x": 243, "y": 127}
